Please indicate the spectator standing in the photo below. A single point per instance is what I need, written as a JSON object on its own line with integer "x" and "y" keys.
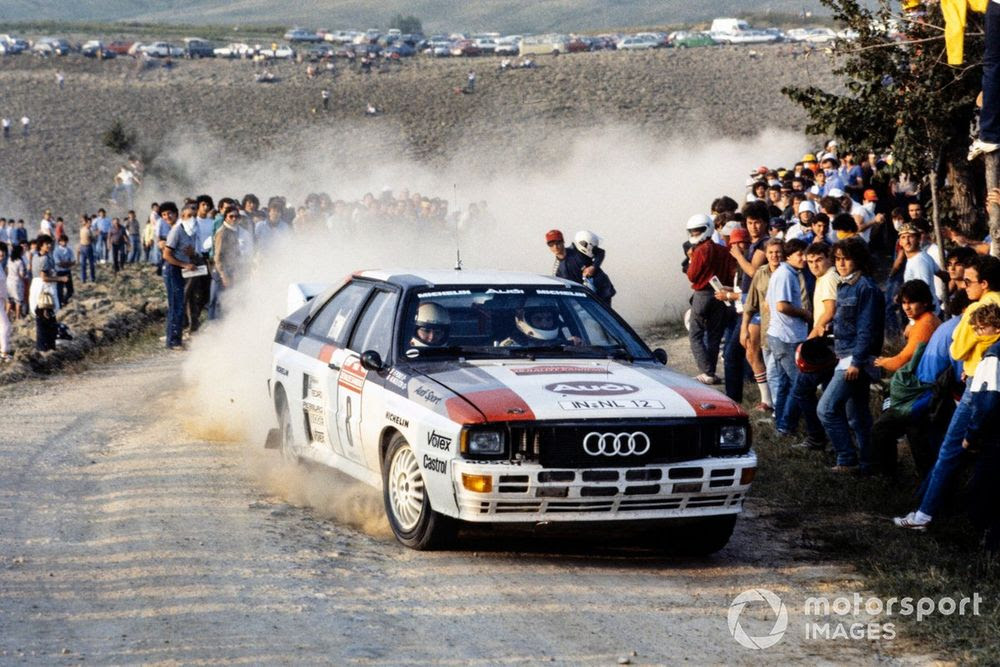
{"x": 557, "y": 244}
{"x": 227, "y": 268}
{"x": 198, "y": 289}
{"x": 43, "y": 299}
{"x": 735, "y": 354}
{"x": 17, "y": 272}
{"x": 46, "y": 226}
{"x": 325, "y": 95}
{"x": 5, "y": 122}
{"x": 101, "y": 225}
{"x": 178, "y": 253}
{"x": 116, "y": 239}
{"x": 5, "y": 355}
{"x": 788, "y": 327}
{"x": 86, "y": 250}
{"x": 583, "y": 264}
{"x": 857, "y": 331}
{"x": 25, "y": 121}
{"x": 709, "y": 316}
{"x": 134, "y": 237}
{"x": 62, "y": 254}
{"x": 919, "y": 265}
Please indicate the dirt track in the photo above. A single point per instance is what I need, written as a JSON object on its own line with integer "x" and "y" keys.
{"x": 127, "y": 540}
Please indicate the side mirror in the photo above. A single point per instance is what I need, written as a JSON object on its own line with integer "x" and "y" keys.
{"x": 371, "y": 361}
{"x": 660, "y": 355}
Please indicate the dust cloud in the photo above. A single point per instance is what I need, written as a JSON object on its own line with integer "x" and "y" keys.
{"x": 634, "y": 192}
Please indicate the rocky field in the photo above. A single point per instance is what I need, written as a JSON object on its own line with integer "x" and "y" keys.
{"x": 724, "y": 91}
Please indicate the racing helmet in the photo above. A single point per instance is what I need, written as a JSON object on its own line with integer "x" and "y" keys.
{"x": 538, "y": 318}
{"x": 815, "y": 355}
{"x": 431, "y": 325}
{"x": 586, "y": 241}
{"x": 699, "y": 221}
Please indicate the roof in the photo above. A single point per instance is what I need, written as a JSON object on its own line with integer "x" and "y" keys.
{"x": 434, "y": 277}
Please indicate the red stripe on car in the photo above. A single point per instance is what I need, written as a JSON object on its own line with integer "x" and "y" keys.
{"x": 326, "y": 353}
{"x": 497, "y": 405}
{"x": 708, "y": 402}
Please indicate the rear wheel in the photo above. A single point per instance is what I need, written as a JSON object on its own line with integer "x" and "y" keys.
{"x": 289, "y": 450}
{"x": 413, "y": 521}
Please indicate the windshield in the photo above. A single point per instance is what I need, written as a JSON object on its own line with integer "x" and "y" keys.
{"x": 490, "y": 322}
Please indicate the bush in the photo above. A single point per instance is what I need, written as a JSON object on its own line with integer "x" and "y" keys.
{"x": 118, "y": 137}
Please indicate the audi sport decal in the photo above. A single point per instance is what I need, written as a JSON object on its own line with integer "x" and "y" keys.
{"x": 589, "y": 388}
{"x": 558, "y": 370}
{"x": 352, "y": 375}
{"x": 612, "y": 404}
{"x": 616, "y": 444}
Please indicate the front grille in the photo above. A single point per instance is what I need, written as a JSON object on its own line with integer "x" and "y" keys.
{"x": 561, "y": 445}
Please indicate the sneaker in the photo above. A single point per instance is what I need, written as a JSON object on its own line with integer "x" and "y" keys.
{"x": 844, "y": 470}
{"x": 705, "y": 378}
{"x": 811, "y": 443}
{"x": 910, "y": 522}
{"x": 763, "y": 407}
{"x": 980, "y": 147}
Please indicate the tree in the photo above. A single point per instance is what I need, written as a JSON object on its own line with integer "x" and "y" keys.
{"x": 408, "y": 25}
{"x": 901, "y": 96}
{"x": 118, "y": 137}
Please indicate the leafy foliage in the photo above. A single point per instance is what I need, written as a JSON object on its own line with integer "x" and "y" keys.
{"x": 118, "y": 137}
{"x": 408, "y": 25}
{"x": 901, "y": 95}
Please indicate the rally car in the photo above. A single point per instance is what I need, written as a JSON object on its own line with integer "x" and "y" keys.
{"x": 498, "y": 397}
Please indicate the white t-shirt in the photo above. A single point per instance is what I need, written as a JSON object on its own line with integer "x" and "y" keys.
{"x": 45, "y": 227}
{"x": 922, "y": 267}
{"x": 126, "y": 177}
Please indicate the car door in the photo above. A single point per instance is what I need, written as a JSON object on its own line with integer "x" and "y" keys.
{"x": 323, "y": 356}
{"x": 357, "y": 399}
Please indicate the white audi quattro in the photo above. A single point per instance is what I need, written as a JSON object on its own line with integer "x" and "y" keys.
{"x": 498, "y": 397}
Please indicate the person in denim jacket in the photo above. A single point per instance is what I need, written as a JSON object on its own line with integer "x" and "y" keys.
{"x": 858, "y": 326}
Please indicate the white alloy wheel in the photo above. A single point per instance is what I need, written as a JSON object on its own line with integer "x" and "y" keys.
{"x": 406, "y": 489}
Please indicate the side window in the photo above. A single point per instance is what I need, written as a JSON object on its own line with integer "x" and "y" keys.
{"x": 374, "y": 328}
{"x": 331, "y": 322}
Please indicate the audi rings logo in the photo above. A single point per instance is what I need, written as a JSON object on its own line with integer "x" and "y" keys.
{"x": 616, "y": 444}
{"x": 777, "y": 607}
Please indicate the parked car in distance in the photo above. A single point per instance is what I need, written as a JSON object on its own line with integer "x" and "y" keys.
{"x": 438, "y": 47}
{"x": 465, "y": 47}
{"x": 234, "y": 50}
{"x": 637, "y": 43}
{"x": 198, "y": 48}
{"x": 52, "y": 46}
{"x": 302, "y": 35}
{"x": 96, "y": 49}
{"x": 683, "y": 39}
{"x": 11, "y": 45}
{"x": 280, "y": 51}
{"x": 508, "y": 46}
{"x": 400, "y": 50}
{"x": 162, "y": 50}
{"x": 487, "y": 45}
{"x": 120, "y": 47}
{"x": 536, "y": 45}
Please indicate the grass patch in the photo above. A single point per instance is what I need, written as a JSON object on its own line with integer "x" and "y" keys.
{"x": 847, "y": 518}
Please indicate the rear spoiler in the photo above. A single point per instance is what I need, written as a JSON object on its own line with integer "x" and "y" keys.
{"x": 299, "y": 294}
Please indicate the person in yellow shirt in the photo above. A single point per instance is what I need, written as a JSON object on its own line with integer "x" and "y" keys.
{"x": 982, "y": 282}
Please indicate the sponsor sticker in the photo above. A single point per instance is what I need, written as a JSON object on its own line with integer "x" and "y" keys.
{"x": 397, "y": 378}
{"x": 558, "y": 370}
{"x": 612, "y": 404}
{"x": 352, "y": 375}
{"x": 438, "y": 441}
{"x": 437, "y": 465}
{"x": 454, "y": 292}
{"x": 428, "y": 395}
{"x": 591, "y": 388}
{"x": 512, "y": 290}
{"x": 281, "y": 370}
{"x": 554, "y": 292}
{"x": 397, "y": 420}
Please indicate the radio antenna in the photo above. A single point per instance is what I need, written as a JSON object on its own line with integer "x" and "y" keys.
{"x": 458, "y": 221}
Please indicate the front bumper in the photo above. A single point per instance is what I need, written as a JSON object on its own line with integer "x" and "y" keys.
{"x": 525, "y": 493}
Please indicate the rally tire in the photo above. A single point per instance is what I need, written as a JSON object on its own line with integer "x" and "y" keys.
{"x": 407, "y": 507}
{"x": 289, "y": 450}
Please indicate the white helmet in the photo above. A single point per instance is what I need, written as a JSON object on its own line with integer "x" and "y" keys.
{"x": 699, "y": 221}
{"x": 431, "y": 316}
{"x": 585, "y": 242}
{"x": 807, "y": 206}
{"x": 528, "y": 322}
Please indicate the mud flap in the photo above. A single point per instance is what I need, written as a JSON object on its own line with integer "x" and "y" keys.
{"x": 273, "y": 440}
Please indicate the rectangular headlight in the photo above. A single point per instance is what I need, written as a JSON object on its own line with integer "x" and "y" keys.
{"x": 489, "y": 443}
{"x": 732, "y": 438}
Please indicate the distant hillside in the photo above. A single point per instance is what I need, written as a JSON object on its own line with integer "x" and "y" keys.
{"x": 437, "y": 15}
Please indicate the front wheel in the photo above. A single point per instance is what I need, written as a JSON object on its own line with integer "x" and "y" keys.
{"x": 289, "y": 451}
{"x": 414, "y": 523}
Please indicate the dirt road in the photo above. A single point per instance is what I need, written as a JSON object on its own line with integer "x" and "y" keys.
{"x": 124, "y": 539}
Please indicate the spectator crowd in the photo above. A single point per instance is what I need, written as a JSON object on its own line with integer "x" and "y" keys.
{"x": 827, "y": 280}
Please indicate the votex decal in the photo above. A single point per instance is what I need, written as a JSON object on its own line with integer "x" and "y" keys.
{"x": 352, "y": 375}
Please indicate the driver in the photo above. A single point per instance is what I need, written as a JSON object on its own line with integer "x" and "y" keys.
{"x": 537, "y": 321}
{"x": 431, "y": 325}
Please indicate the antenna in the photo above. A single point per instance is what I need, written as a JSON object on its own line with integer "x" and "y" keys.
{"x": 458, "y": 221}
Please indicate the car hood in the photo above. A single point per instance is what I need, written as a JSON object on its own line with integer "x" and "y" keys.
{"x": 573, "y": 390}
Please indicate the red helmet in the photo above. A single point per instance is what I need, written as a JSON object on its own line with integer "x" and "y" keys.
{"x": 815, "y": 355}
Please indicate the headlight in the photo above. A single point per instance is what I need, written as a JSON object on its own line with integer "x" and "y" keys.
{"x": 732, "y": 438}
{"x": 482, "y": 443}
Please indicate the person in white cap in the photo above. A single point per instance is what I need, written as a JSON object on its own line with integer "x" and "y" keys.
{"x": 831, "y": 165}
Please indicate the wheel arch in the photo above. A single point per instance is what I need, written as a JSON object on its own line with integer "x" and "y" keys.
{"x": 388, "y": 433}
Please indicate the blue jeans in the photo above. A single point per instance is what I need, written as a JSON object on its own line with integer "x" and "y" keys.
{"x": 843, "y": 410}
{"x": 174, "y": 283}
{"x": 136, "y": 252}
{"x": 786, "y": 411}
{"x": 101, "y": 243}
{"x": 735, "y": 359}
{"x": 214, "y": 291}
{"x": 804, "y": 395}
{"x": 949, "y": 456}
{"x": 989, "y": 118}
{"x": 86, "y": 253}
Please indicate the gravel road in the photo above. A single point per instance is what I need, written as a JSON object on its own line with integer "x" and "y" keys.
{"x": 126, "y": 539}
